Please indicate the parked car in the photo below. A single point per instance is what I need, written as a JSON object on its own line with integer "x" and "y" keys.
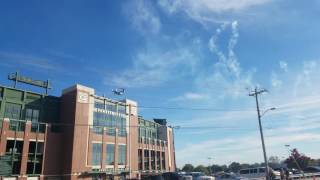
{"x": 176, "y": 176}
{"x": 184, "y": 176}
{"x": 312, "y": 169}
{"x": 229, "y": 176}
{"x": 258, "y": 172}
{"x": 200, "y": 176}
{"x": 279, "y": 169}
{"x": 296, "y": 171}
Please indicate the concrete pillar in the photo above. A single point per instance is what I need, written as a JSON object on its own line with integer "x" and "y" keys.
{"x": 150, "y": 167}
{"x": 116, "y": 150}
{"x": 142, "y": 151}
{"x": 104, "y": 148}
{"x": 25, "y": 149}
{"x": 3, "y": 137}
{"x": 161, "y": 169}
{"x": 44, "y": 150}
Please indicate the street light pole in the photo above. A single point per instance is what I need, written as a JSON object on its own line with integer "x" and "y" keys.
{"x": 211, "y": 171}
{"x": 255, "y": 93}
{"x": 298, "y": 166}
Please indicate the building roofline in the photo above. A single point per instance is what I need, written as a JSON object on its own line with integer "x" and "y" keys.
{"x": 28, "y": 91}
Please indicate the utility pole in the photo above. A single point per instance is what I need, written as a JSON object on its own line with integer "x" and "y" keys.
{"x": 255, "y": 93}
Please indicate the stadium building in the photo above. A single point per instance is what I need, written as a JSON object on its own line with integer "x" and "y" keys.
{"x": 79, "y": 135}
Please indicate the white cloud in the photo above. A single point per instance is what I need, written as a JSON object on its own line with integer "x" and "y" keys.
{"x": 143, "y": 16}
{"x": 245, "y": 148}
{"x": 305, "y": 80}
{"x": 191, "y": 96}
{"x": 227, "y": 76}
{"x": 275, "y": 81}
{"x": 10, "y": 58}
{"x": 204, "y": 11}
{"x": 283, "y": 66}
{"x": 155, "y": 67}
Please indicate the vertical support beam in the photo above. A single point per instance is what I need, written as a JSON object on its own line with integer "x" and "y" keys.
{"x": 3, "y": 102}
{"x": 156, "y": 160}
{"x": 150, "y": 167}
{"x": 161, "y": 169}
{"x": 104, "y": 148}
{"x": 44, "y": 148}
{"x": 3, "y": 138}
{"x": 116, "y": 150}
{"x": 142, "y": 159}
{"x": 25, "y": 149}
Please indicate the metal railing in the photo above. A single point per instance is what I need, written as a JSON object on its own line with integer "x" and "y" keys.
{"x": 17, "y": 125}
{"x": 111, "y": 131}
{"x": 20, "y": 125}
{"x": 38, "y": 127}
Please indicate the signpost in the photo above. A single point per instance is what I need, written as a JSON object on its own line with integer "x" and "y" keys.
{"x": 23, "y": 79}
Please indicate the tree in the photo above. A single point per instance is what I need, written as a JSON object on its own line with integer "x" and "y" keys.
{"x": 188, "y": 168}
{"x": 295, "y": 157}
{"x": 274, "y": 162}
{"x": 234, "y": 167}
{"x": 255, "y": 165}
{"x": 244, "y": 166}
{"x": 202, "y": 169}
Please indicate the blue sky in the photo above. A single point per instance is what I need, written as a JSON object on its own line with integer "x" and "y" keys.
{"x": 192, "y": 54}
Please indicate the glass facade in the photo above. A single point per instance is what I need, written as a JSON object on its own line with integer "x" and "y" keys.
{"x": 110, "y": 154}
{"x": 32, "y": 115}
{"x": 158, "y": 160}
{"x": 146, "y": 160}
{"x": 148, "y": 129}
{"x": 122, "y": 154}
{"x": 12, "y": 111}
{"x": 113, "y": 117}
{"x": 14, "y": 154}
{"x": 96, "y": 154}
{"x": 163, "y": 163}
{"x": 140, "y": 159}
{"x": 35, "y": 157}
{"x": 153, "y": 160}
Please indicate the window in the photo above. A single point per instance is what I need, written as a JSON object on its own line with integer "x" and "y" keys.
{"x": 140, "y": 159}
{"x": 261, "y": 170}
{"x": 121, "y": 109}
{"x": 32, "y": 115}
{"x": 12, "y": 111}
{"x": 96, "y": 154}
{"x": 99, "y": 105}
{"x": 102, "y": 119}
{"x": 153, "y": 160}
{"x": 122, "y": 154}
{"x": 110, "y": 154}
{"x": 146, "y": 159}
{"x": 14, "y": 151}
{"x": 163, "y": 161}
{"x": 35, "y": 157}
{"x": 253, "y": 171}
{"x": 245, "y": 171}
{"x": 158, "y": 160}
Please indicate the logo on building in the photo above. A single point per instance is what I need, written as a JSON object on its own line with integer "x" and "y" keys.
{"x": 83, "y": 97}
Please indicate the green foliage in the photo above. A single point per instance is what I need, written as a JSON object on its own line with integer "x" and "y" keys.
{"x": 274, "y": 162}
{"x": 296, "y": 159}
{"x": 188, "y": 168}
{"x": 202, "y": 169}
{"x": 234, "y": 167}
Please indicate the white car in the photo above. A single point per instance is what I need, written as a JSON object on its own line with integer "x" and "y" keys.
{"x": 253, "y": 173}
{"x": 200, "y": 176}
{"x": 228, "y": 176}
{"x": 206, "y": 178}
